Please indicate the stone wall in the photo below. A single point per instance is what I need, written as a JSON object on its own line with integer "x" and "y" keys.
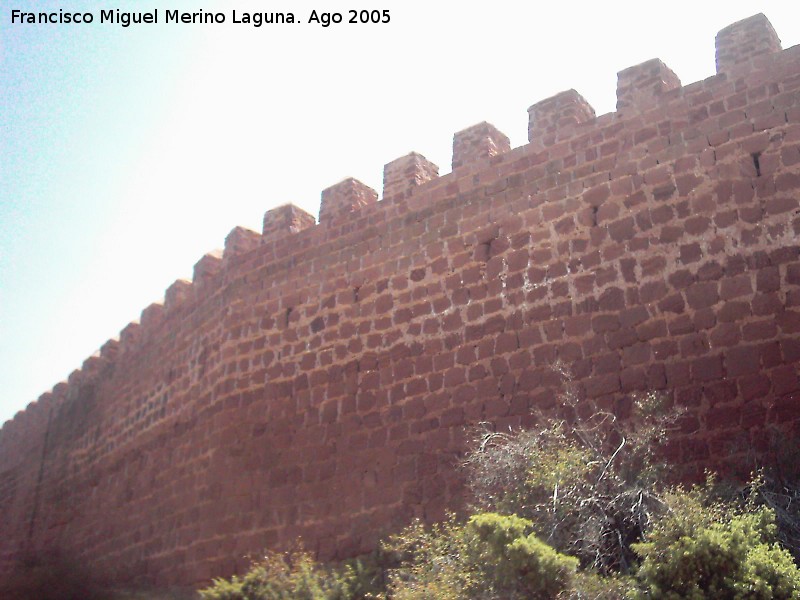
{"x": 316, "y": 380}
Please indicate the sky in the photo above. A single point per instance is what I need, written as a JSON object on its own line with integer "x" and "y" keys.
{"x": 126, "y": 153}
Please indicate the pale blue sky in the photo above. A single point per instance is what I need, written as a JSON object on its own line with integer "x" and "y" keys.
{"x": 126, "y": 154}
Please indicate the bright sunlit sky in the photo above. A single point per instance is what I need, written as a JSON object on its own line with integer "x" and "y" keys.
{"x": 128, "y": 153}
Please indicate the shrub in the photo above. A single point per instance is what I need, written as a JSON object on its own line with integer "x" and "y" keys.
{"x": 590, "y": 485}
{"x": 703, "y": 548}
{"x": 778, "y": 486}
{"x": 291, "y": 576}
{"x": 588, "y": 585}
{"x": 429, "y": 562}
{"x": 490, "y": 556}
{"x": 518, "y": 562}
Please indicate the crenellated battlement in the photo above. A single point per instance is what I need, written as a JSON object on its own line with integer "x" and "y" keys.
{"x": 316, "y": 378}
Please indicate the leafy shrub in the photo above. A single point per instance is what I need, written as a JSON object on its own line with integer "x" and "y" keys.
{"x": 429, "y": 562}
{"x": 703, "y": 548}
{"x": 778, "y": 485}
{"x": 491, "y": 556}
{"x": 518, "y": 562}
{"x": 291, "y": 576}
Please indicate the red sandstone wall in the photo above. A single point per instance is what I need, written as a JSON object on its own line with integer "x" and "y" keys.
{"x": 316, "y": 380}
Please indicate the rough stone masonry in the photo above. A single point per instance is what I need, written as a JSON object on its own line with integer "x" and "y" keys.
{"x": 316, "y": 379}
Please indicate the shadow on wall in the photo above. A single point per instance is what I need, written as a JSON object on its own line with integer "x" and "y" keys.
{"x": 51, "y": 575}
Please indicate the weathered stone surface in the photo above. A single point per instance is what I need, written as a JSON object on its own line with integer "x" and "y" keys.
{"x": 317, "y": 379}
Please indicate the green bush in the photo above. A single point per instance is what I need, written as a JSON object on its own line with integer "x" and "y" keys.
{"x": 704, "y": 548}
{"x": 429, "y": 562}
{"x": 515, "y": 562}
{"x": 779, "y": 483}
{"x": 291, "y": 576}
{"x": 490, "y": 556}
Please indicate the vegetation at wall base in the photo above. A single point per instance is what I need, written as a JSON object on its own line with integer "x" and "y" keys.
{"x": 580, "y": 509}
{"x": 706, "y": 548}
{"x": 290, "y": 576}
{"x": 591, "y": 486}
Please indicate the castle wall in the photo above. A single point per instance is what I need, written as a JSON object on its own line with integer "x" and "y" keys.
{"x": 316, "y": 380}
